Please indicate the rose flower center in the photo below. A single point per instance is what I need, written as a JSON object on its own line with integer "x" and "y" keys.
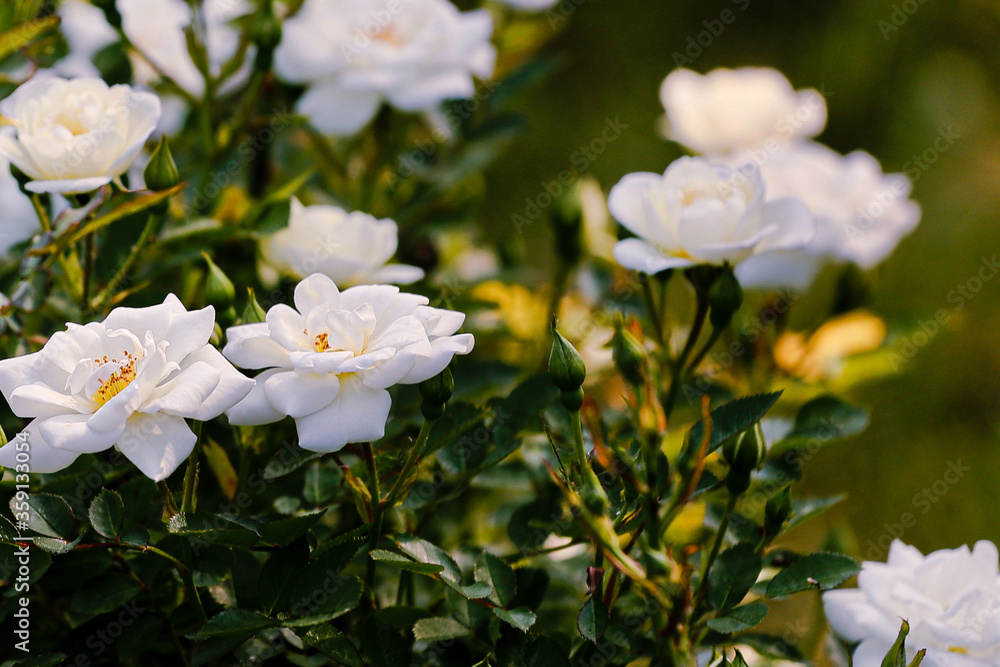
{"x": 120, "y": 378}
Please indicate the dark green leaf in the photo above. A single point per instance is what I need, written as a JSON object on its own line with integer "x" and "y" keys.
{"x": 521, "y": 409}
{"x": 733, "y": 418}
{"x": 739, "y": 618}
{"x": 544, "y": 652}
{"x": 287, "y": 460}
{"x": 107, "y": 513}
{"x": 809, "y": 508}
{"x": 383, "y": 644}
{"x": 340, "y": 596}
{"x": 212, "y": 528}
{"x": 282, "y": 569}
{"x": 104, "y": 594}
{"x": 47, "y": 660}
{"x": 733, "y": 574}
{"x": 236, "y": 623}
{"x": 404, "y": 563}
{"x": 322, "y": 481}
{"x": 499, "y": 575}
{"x": 334, "y": 644}
{"x": 285, "y": 531}
{"x": 821, "y": 420}
{"x": 521, "y": 618}
{"x": 48, "y": 515}
{"x": 821, "y": 571}
{"x": 425, "y": 552}
{"x": 593, "y": 619}
{"x": 438, "y": 628}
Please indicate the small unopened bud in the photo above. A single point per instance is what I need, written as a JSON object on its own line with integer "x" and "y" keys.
{"x": 566, "y": 367}
{"x": 746, "y": 451}
{"x": 266, "y": 34}
{"x": 161, "y": 172}
{"x": 777, "y": 511}
{"x": 725, "y": 297}
{"x": 628, "y": 354}
{"x": 219, "y": 290}
{"x": 436, "y": 392}
{"x": 253, "y": 313}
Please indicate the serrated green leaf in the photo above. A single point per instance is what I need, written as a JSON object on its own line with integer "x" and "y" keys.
{"x": 499, "y": 575}
{"x": 339, "y": 596}
{"x": 732, "y": 575}
{"x": 521, "y": 618}
{"x": 286, "y": 531}
{"x": 236, "y": 623}
{"x": 739, "y": 618}
{"x": 280, "y": 571}
{"x": 334, "y": 644}
{"x": 821, "y": 571}
{"x": 288, "y": 460}
{"x": 425, "y": 552}
{"x": 107, "y": 513}
{"x": 439, "y": 628}
{"x": 405, "y": 563}
{"x": 212, "y": 528}
{"x": 822, "y": 420}
{"x": 48, "y": 515}
{"x": 593, "y": 619}
{"x": 733, "y": 418}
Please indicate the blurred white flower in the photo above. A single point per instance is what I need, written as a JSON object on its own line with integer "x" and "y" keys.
{"x": 75, "y": 135}
{"x": 157, "y": 30}
{"x": 861, "y": 213}
{"x": 350, "y": 248}
{"x": 19, "y": 221}
{"x": 356, "y": 54}
{"x": 702, "y": 213}
{"x": 87, "y": 32}
{"x": 950, "y": 597}
{"x": 729, "y": 111}
{"x": 129, "y": 381}
{"x": 531, "y": 5}
{"x": 331, "y": 359}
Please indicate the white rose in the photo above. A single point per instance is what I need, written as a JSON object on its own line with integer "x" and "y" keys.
{"x": 949, "y": 598}
{"x": 129, "y": 381}
{"x": 350, "y": 248}
{"x": 156, "y": 28}
{"x": 698, "y": 212}
{"x": 331, "y": 359}
{"x": 727, "y": 111}
{"x": 861, "y": 213}
{"x": 356, "y": 54}
{"x": 19, "y": 220}
{"x": 75, "y": 135}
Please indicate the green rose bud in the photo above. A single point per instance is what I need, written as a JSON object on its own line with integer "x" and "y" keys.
{"x": 266, "y": 34}
{"x": 777, "y": 511}
{"x": 161, "y": 172}
{"x": 219, "y": 290}
{"x": 436, "y": 392}
{"x": 566, "y": 367}
{"x": 725, "y": 297}
{"x": 253, "y": 313}
{"x": 629, "y": 356}
{"x": 746, "y": 451}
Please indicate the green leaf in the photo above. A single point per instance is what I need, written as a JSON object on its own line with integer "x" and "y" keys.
{"x": 404, "y": 563}
{"x": 46, "y": 660}
{"x": 48, "y": 515}
{"x": 282, "y": 569}
{"x": 321, "y": 483}
{"x": 821, "y": 571}
{"x": 104, "y": 594}
{"x": 438, "y": 628}
{"x": 821, "y": 420}
{"x": 383, "y": 644}
{"x": 809, "y": 508}
{"x": 521, "y": 618}
{"x": 522, "y": 407}
{"x": 733, "y": 418}
{"x": 896, "y": 657}
{"x": 213, "y": 528}
{"x": 286, "y": 531}
{"x": 593, "y": 619}
{"x": 107, "y": 513}
{"x": 23, "y": 34}
{"x": 334, "y": 644}
{"x": 340, "y": 596}
{"x": 236, "y": 623}
{"x": 739, "y": 618}
{"x": 544, "y": 652}
{"x": 732, "y": 575}
{"x": 425, "y": 552}
{"x": 499, "y": 575}
{"x": 288, "y": 460}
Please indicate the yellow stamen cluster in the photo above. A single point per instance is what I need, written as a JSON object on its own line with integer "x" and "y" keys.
{"x": 322, "y": 342}
{"x": 118, "y": 380}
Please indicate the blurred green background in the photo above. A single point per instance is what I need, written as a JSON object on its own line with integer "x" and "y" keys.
{"x": 891, "y": 87}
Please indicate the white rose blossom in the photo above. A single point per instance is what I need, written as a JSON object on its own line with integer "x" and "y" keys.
{"x": 698, "y": 212}
{"x": 729, "y": 111}
{"x": 129, "y": 382}
{"x": 331, "y": 359}
{"x": 350, "y": 248}
{"x": 75, "y": 135}
{"x": 949, "y": 597}
{"x": 861, "y": 212}
{"x": 357, "y": 54}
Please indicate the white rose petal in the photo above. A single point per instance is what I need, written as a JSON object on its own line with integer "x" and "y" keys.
{"x": 75, "y": 135}
{"x": 129, "y": 381}
{"x": 949, "y": 598}
{"x": 350, "y": 248}
{"x": 357, "y": 54}
{"x": 331, "y": 358}
{"x": 698, "y": 212}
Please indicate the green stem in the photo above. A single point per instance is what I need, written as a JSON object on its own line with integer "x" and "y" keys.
{"x": 593, "y": 491}
{"x": 716, "y": 333}
{"x": 676, "y": 380}
{"x": 43, "y": 216}
{"x": 88, "y": 268}
{"x": 376, "y": 524}
{"x": 655, "y": 313}
{"x": 152, "y": 223}
{"x": 702, "y": 589}
{"x": 191, "y": 473}
{"x": 412, "y": 461}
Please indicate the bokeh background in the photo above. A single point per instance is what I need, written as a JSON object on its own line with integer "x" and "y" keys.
{"x": 896, "y": 75}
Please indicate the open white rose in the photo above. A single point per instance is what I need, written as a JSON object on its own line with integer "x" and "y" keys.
{"x": 129, "y": 381}
{"x": 330, "y": 359}
{"x": 949, "y": 597}
{"x": 350, "y": 248}
{"x": 75, "y": 135}
{"x": 698, "y": 212}
{"x": 727, "y": 111}
{"x": 356, "y": 54}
